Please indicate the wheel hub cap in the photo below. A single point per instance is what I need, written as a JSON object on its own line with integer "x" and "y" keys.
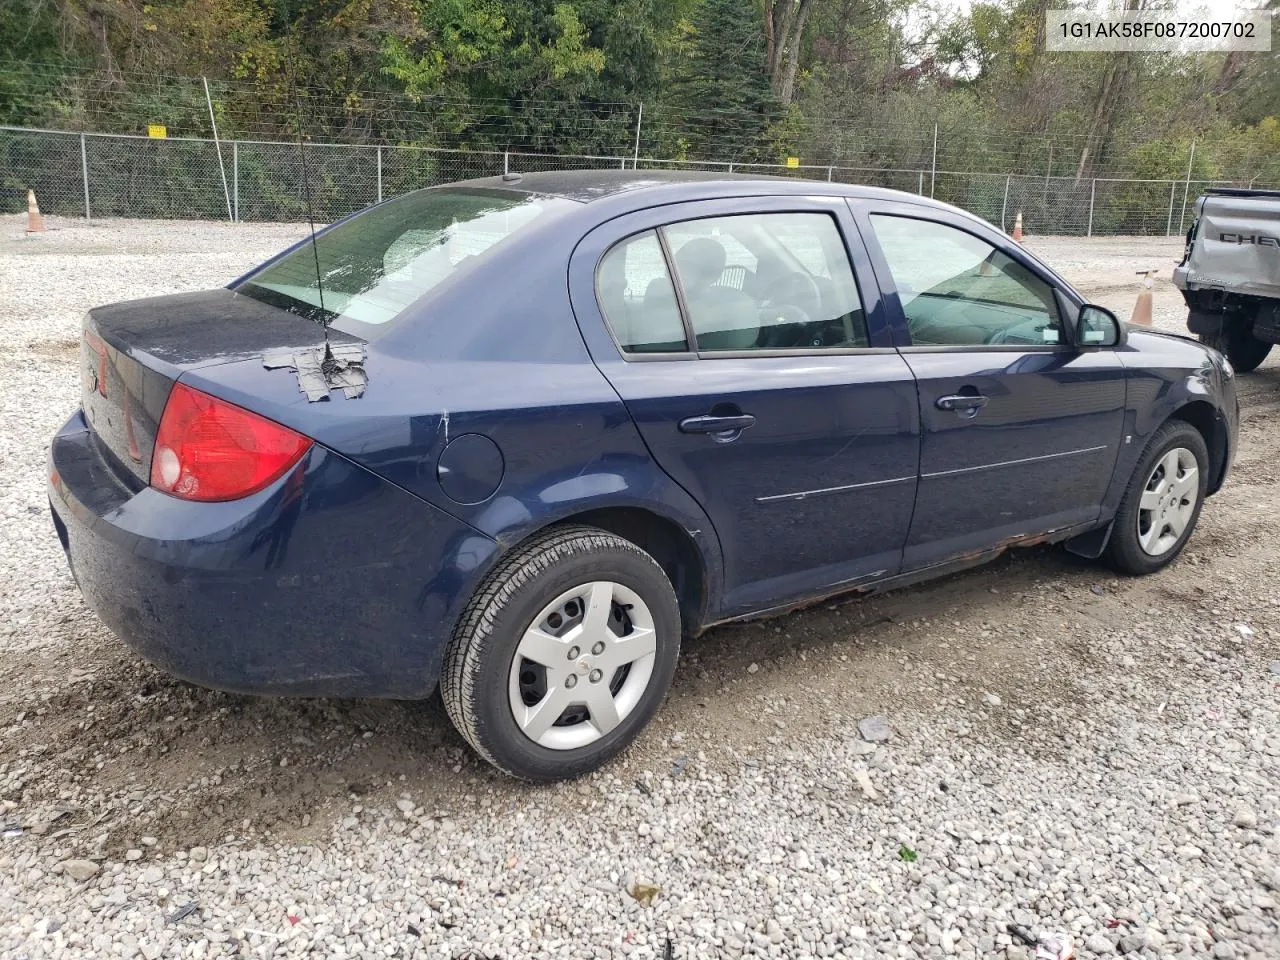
{"x": 563, "y": 697}
{"x": 1169, "y": 500}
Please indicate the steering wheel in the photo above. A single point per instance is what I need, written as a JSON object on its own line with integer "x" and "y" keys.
{"x": 781, "y": 327}
{"x": 792, "y": 305}
{"x": 1026, "y": 333}
{"x": 800, "y": 290}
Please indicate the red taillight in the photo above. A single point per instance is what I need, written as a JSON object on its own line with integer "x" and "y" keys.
{"x": 208, "y": 449}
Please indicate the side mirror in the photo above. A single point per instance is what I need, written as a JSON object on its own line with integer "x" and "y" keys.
{"x": 1098, "y": 327}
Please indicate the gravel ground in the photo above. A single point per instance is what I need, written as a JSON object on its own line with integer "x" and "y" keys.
{"x": 1066, "y": 750}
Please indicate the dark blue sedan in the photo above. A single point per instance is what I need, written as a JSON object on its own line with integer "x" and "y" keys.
{"x": 517, "y": 436}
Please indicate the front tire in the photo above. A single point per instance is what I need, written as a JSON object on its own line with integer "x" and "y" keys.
{"x": 1238, "y": 344}
{"x": 1161, "y": 505}
{"x": 563, "y": 655}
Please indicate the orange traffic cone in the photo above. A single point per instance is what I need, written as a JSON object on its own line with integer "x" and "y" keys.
{"x": 35, "y": 222}
{"x": 1142, "y": 309}
{"x": 1017, "y": 227}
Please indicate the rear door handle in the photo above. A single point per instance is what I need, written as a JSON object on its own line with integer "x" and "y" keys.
{"x": 961, "y": 401}
{"x": 714, "y": 424}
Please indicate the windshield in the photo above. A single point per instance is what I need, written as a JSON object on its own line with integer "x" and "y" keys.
{"x": 376, "y": 264}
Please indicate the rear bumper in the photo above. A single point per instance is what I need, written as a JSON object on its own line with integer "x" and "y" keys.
{"x": 331, "y": 582}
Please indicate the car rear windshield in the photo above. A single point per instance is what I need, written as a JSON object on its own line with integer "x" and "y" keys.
{"x": 376, "y": 264}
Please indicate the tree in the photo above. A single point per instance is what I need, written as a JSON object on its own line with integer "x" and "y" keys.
{"x": 784, "y": 23}
{"x": 1114, "y": 87}
{"x": 29, "y": 42}
{"x": 850, "y": 82}
{"x": 530, "y": 66}
{"x": 720, "y": 85}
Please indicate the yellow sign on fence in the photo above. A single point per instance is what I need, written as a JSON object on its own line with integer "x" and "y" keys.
{"x": 157, "y": 131}
{"x": 793, "y": 161}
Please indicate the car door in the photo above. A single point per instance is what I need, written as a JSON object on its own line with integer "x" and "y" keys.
{"x": 1021, "y": 427}
{"x": 763, "y": 379}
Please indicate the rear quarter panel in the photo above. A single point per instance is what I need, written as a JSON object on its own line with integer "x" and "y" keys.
{"x": 496, "y": 352}
{"x": 329, "y": 582}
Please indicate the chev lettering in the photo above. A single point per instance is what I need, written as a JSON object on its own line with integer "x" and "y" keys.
{"x": 1256, "y": 239}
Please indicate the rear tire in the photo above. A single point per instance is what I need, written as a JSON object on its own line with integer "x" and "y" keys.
{"x": 563, "y": 655}
{"x": 1161, "y": 505}
{"x": 1237, "y": 342}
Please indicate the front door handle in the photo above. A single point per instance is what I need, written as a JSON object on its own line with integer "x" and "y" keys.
{"x": 961, "y": 401}
{"x": 717, "y": 424}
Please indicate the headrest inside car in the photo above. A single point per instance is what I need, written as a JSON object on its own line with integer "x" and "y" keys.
{"x": 700, "y": 262}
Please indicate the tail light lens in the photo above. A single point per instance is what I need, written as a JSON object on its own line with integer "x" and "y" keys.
{"x": 208, "y": 449}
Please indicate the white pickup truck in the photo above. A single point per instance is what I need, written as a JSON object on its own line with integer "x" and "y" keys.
{"x": 1230, "y": 273}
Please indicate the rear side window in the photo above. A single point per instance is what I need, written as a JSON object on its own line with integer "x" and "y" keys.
{"x": 376, "y": 264}
{"x": 957, "y": 290}
{"x": 767, "y": 281}
{"x": 637, "y": 298}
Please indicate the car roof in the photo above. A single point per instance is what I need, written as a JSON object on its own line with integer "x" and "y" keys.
{"x": 586, "y": 186}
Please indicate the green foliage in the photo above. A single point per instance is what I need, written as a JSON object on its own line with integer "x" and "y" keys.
{"x": 719, "y": 81}
{"x": 29, "y": 78}
{"x": 454, "y": 39}
{"x": 569, "y": 76}
{"x": 477, "y": 61}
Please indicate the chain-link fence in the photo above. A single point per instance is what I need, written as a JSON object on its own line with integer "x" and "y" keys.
{"x": 96, "y": 175}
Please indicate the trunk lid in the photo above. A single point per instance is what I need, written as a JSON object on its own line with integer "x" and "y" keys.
{"x": 132, "y": 352}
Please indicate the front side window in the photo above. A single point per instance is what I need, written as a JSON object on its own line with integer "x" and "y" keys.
{"x": 767, "y": 281}
{"x": 376, "y": 264}
{"x": 957, "y": 290}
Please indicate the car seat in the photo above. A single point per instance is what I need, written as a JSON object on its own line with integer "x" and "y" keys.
{"x": 659, "y": 325}
{"x": 611, "y": 283}
{"x": 723, "y": 318}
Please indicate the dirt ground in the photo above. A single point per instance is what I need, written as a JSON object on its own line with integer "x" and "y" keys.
{"x": 90, "y": 736}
